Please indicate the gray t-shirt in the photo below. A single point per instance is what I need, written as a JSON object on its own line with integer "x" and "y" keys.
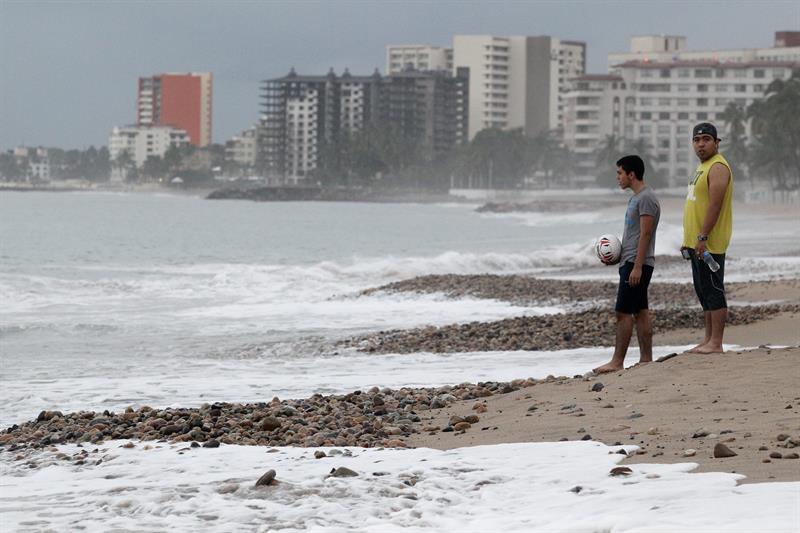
{"x": 643, "y": 203}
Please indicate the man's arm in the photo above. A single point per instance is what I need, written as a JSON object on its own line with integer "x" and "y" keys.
{"x": 646, "y": 224}
{"x": 718, "y": 179}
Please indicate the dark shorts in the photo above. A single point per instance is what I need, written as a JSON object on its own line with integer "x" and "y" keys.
{"x": 709, "y": 285}
{"x": 631, "y": 300}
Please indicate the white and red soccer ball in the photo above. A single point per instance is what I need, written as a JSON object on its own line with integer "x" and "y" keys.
{"x": 608, "y": 249}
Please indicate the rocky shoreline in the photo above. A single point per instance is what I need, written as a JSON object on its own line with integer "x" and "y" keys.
{"x": 522, "y": 289}
{"x": 377, "y": 417}
{"x": 586, "y": 329}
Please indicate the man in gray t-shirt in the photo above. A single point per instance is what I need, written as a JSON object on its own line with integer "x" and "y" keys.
{"x": 638, "y": 260}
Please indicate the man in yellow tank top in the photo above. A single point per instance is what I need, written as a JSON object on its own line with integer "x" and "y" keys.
{"x": 707, "y": 228}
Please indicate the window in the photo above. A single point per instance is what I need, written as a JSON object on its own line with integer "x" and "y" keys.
{"x": 683, "y": 116}
{"x": 645, "y": 128}
{"x": 740, "y": 73}
{"x": 721, "y": 101}
{"x": 702, "y": 87}
{"x": 646, "y": 73}
{"x": 646, "y": 115}
{"x": 702, "y": 102}
{"x": 663, "y": 129}
{"x": 758, "y": 73}
{"x": 758, "y": 87}
{"x": 682, "y": 129}
{"x": 683, "y": 88}
{"x": 684, "y": 73}
{"x": 740, "y": 88}
{"x": 721, "y": 88}
{"x": 720, "y": 73}
{"x": 663, "y": 116}
{"x": 665, "y": 73}
{"x": 702, "y": 73}
{"x": 645, "y": 101}
{"x": 702, "y": 115}
{"x": 778, "y": 73}
{"x": 683, "y": 102}
{"x": 664, "y": 102}
{"x": 663, "y": 158}
{"x": 663, "y": 143}
{"x": 682, "y": 157}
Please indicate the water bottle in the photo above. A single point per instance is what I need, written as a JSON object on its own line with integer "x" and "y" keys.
{"x": 709, "y": 259}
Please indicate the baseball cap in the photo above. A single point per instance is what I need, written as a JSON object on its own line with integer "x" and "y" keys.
{"x": 705, "y": 128}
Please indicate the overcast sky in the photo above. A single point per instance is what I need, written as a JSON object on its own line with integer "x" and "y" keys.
{"x": 69, "y": 69}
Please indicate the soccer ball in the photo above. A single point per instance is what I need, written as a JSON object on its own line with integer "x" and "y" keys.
{"x": 608, "y": 249}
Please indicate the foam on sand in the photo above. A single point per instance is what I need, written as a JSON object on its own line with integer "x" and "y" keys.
{"x": 507, "y": 487}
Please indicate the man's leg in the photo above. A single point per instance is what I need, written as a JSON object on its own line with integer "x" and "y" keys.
{"x": 717, "y": 319}
{"x": 624, "y": 332}
{"x": 707, "y": 339}
{"x": 644, "y": 333}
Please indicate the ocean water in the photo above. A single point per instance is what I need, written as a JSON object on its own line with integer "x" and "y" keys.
{"x": 110, "y": 300}
{"x": 124, "y": 299}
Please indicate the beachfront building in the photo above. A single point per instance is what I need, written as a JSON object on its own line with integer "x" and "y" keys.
{"x": 658, "y": 102}
{"x": 143, "y": 142}
{"x": 305, "y": 117}
{"x": 418, "y": 57}
{"x": 669, "y": 48}
{"x": 517, "y": 82}
{"x": 241, "y": 149}
{"x": 595, "y": 110}
{"x": 177, "y": 99}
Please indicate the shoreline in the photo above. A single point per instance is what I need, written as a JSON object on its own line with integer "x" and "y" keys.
{"x": 742, "y": 399}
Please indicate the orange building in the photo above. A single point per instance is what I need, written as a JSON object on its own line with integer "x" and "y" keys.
{"x": 181, "y": 100}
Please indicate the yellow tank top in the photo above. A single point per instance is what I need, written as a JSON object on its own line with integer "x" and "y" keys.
{"x": 694, "y": 211}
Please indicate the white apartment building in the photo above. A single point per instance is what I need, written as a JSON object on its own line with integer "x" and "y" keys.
{"x": 517, "y": 82}
{"x": 660, "y": 102}
{"x": 301, "y": 132}
{"x": 143, "y": 142}
{"x": 595, "y": 108}
{"x": 418, "y": 57}
{"x": 241, "y": 149}
{"x": 667, "y": 48}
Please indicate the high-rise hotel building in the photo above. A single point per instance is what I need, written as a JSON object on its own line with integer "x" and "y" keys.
{"x": 514, "y": 82}
{"x": 659, "y": 91}
{"x": 179, "y": 100}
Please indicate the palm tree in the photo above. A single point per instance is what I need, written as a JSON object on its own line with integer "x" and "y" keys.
{"x": 735, "y": 119}
{"x": 608, "y": 153}
{"x": 643, "y": 149}
{"x": 776, "y": 131}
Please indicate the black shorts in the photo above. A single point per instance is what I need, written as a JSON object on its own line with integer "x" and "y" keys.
{"x": 709, "y": 285}
{"x": 631, "y": 300}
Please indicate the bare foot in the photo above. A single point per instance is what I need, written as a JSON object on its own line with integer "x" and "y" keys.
{"x": 696, "y": 348}
{"x": 608, "y": 367}
{"x": 710, "y": 348}
{"x": 642, "y": 363}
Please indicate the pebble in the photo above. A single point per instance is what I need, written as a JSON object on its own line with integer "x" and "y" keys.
{"x": 342, "y": 471}
{"x": 691, "y": 452}
{"x": 267, "y": 479}
{"x": 228, "y": 488}
{"x": 792, "y": 455}
{"x": 621, "y": 471}
{"x": 597, "y": 387}
{"x": 776, "y": 455}
{"x": 319, "y": 454}
{"x": 721, "y": 451}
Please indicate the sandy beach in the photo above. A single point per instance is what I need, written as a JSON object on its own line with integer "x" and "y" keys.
{"x": 746, "y": 399}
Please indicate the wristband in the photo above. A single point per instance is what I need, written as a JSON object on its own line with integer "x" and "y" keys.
{"x": 702, "y": 237}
